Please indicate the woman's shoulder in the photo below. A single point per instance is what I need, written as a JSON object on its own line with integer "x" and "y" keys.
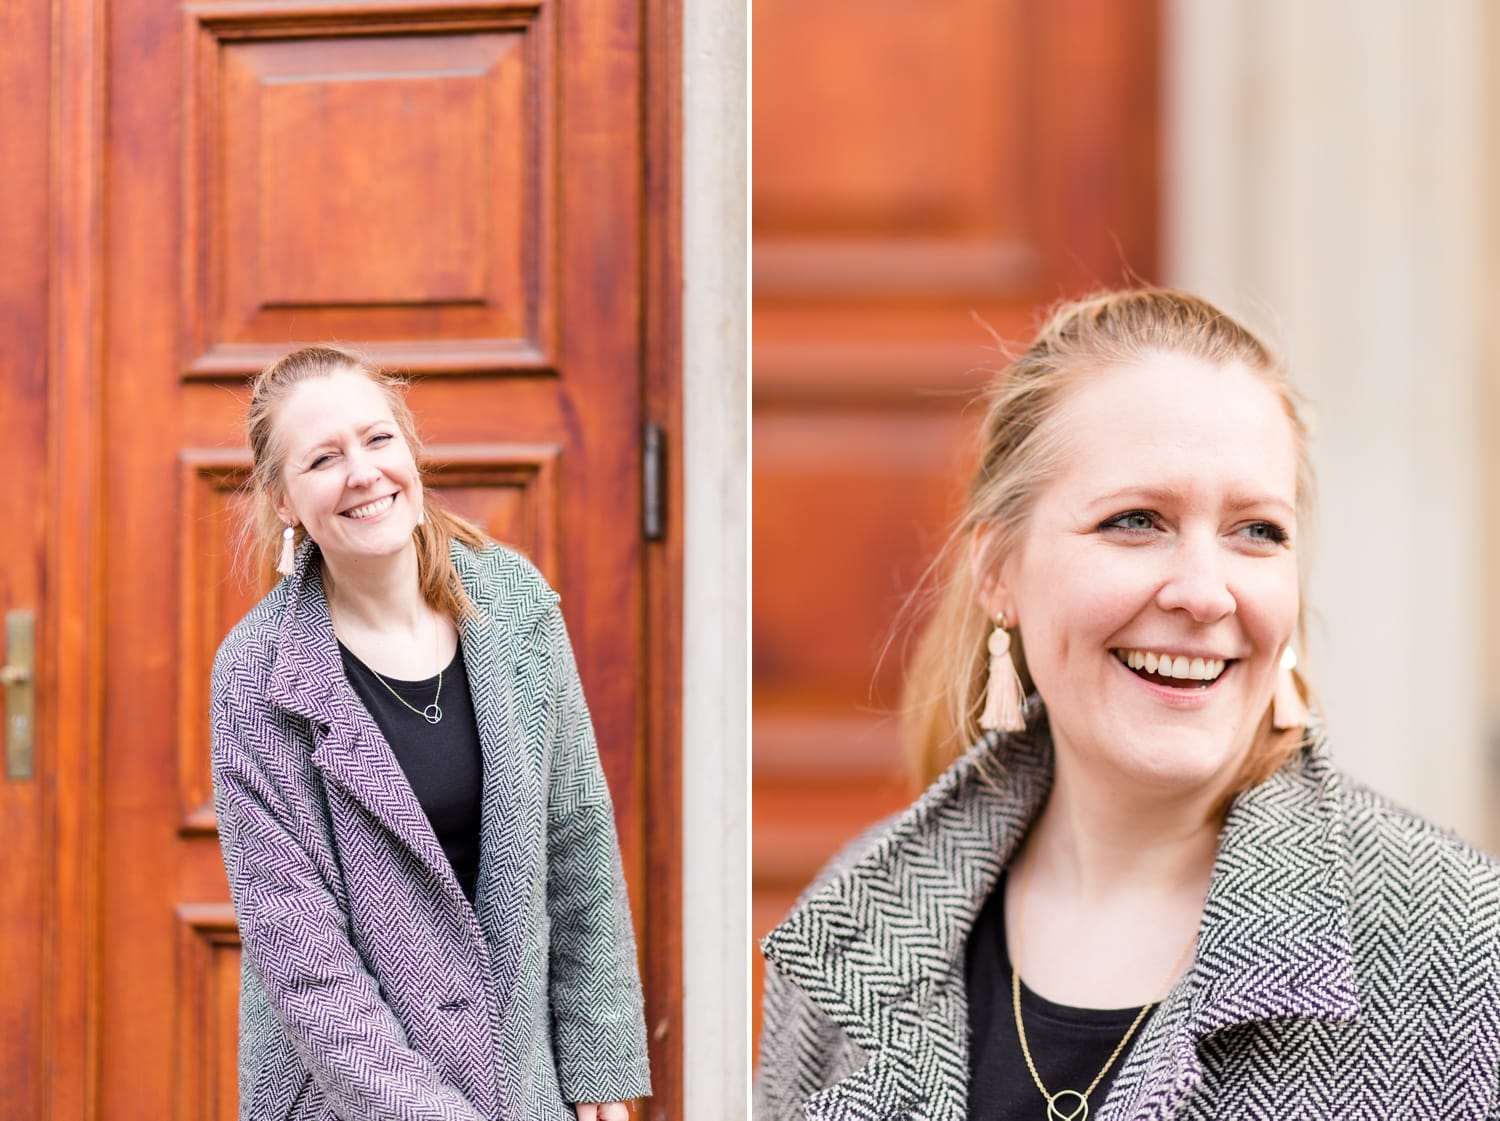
{"x": 1382, "y": 832}
{"x": 1312, "y": 803}
{"x": 986, "y": 797}
{"x": 252, "y": 641}
{"x": 1421, "y": 896}
{"x": 502, "y": 582}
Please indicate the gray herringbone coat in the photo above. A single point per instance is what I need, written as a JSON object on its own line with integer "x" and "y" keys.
{"x": 371, "y": 990}
{"x": 1348, "y": 963}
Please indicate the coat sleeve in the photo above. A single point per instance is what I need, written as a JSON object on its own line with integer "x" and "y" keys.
{"x": 295, "y": 933}
{"x": 599, "y": 1032}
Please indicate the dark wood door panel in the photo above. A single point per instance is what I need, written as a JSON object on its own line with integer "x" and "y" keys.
{"x": 387, "y": 176}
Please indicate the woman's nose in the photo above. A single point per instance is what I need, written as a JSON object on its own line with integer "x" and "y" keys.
{"x": 1197, "y": 583}
{"x": 362, "y": 471}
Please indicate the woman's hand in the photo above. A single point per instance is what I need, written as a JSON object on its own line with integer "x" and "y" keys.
{"x": 602, "y": 1111}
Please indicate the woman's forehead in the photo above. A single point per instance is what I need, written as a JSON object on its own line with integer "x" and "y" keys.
{"x": 1172, "y": 421}
{"x": 343, "y": 401}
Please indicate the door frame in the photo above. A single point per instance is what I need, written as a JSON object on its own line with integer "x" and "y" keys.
{"x": 662, "y": 381}
{"x": 70, "y": 668}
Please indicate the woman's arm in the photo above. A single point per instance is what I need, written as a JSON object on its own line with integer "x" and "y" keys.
{"x": 296, "y": 936}
{"x": 599, "y": 1035}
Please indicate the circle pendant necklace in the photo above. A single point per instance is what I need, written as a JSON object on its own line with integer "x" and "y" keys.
{"x": 1067, "y": 1105}
{"x": 433, "y": 714}
{"x": 1073, "y": 1105}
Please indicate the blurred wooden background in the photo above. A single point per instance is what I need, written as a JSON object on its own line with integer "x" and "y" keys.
{"x": 912, "y": 169}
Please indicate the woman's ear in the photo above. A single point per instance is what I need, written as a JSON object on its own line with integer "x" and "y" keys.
{"x": 989, "y": 578}
{"x": 283, "y": 508}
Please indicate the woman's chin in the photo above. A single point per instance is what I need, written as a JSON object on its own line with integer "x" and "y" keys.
{"x": 1168, "y": 758}
{"x": 390, "y": 544}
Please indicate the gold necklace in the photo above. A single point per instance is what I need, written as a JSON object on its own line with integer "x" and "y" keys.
{"x": 1070, "y": 1105}
{"x": 432, "y": 713}
{"x": 1078, "y": 1101}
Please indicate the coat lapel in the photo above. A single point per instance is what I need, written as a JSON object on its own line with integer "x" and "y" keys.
{"x": 307, "y": 679}
{"x": 513, "y": 810}
{"x": 1275, "y": 942}
{"x": 880, "y": 948}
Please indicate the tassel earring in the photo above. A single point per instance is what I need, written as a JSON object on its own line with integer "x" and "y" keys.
{"x": 1288, "y": 709}
{"x": 287, "y": 563}
{"x": 1003, "y": 696}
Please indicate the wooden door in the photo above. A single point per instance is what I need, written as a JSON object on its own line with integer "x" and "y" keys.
{"x": 458, "y": 187}
{"x": 25, "y": 786}
{"x": 913, "y": 168}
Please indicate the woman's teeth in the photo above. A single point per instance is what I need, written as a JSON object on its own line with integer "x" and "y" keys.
{"x": 370, "y": 509}
{"x": 1168, "y": 665}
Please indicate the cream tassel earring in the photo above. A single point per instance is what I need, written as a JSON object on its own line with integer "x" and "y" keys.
{"x": 1288, "y": 709}
{"x": 1003, "y": 696}
{"x": 287, "y": 563}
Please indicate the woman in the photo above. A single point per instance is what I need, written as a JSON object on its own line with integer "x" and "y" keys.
{"x": 419, "y": 840}
{"x": 1147, "y": 892}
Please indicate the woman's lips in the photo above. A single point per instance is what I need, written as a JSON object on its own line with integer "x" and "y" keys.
{"x": 369, "y": 509}
{"x": 1174, "y": 671}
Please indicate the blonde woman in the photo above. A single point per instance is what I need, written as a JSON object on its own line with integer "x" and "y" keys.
{"x": 1145, "y": 891}
{"x": 419, "y": 841}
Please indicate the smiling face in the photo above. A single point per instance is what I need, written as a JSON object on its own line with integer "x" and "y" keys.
{"x": 347, "y": 473}
{"x": 1155, "y": 583}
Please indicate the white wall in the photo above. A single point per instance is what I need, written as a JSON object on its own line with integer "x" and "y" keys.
{"x": 715, "y": 768}
{"x": 1326, "y": 179}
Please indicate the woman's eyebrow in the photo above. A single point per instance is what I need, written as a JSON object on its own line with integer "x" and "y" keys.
{"x": 302, "y": 457}
{"x": 1135, "y": 492}
{"x": 1156, "y": 494}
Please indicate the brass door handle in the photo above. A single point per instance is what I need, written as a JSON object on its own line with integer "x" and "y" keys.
{"x": 20, "y": 694}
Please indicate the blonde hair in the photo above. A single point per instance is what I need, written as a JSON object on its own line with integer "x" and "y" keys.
{"x": 1020, "y": 452}
{"x": 439, "y": 581}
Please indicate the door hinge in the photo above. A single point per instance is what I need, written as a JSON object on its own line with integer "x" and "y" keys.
{"x": 653, "y": 513}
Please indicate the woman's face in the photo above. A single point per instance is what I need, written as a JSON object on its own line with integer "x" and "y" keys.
{"x": 348, "y": 475}
{"x": 1168, "y": 534}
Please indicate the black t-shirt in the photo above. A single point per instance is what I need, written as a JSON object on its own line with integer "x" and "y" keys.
{"x": 1068, "y": 1045}
{"x": 442, "y": 761}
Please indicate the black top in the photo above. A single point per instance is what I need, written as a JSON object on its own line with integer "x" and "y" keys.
{"x": 442, "y": 761}
{"x": 1068, "y": 1045}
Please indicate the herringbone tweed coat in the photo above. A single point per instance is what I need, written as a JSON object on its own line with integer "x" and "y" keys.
{"x": 1348, "y": 962}
{"x": 371, "y": 990}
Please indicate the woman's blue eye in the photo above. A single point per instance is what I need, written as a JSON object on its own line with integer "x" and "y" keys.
{"x": 1131, "y": 520}
{"x": 380, "y": 437}
{"x": 1269, "y": 532}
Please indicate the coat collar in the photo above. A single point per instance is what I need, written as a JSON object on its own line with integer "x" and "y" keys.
{"x": 879, "y": 947}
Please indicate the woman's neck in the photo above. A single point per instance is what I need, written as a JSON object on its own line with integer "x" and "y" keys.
{"x": 1095, "y": 841}
{"x": 381, "y": 594}
{"x": 1108, "y": 891}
